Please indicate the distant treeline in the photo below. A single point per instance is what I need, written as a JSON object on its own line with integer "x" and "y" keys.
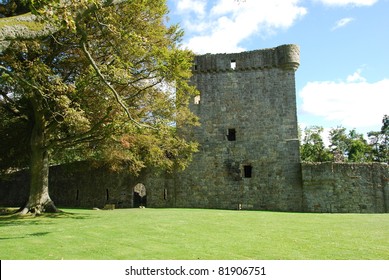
{"x": 345, "y": 146}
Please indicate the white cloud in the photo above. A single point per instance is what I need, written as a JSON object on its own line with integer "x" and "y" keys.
{"x": 195, "y": 6}
{"x": 354, "y": 103}
{"x": 356, "y": 77}
{"x": 227, "y": 23}
{"x": 348, "y": 2}
{"x": 342, "y": 23}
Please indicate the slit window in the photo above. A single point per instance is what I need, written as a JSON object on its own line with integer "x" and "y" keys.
{"x": 247, "y": 171}
{"x": 165, "y": 194}
{"x": 233, "y": 64}
{"x": 231, "y": 134}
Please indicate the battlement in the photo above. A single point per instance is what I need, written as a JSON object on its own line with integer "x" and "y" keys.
{"x": 284, "y": 56}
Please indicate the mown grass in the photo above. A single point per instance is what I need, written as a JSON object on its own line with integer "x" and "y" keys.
{"x": 194, "y": 234}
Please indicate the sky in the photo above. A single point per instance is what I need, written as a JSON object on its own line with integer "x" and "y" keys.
{"x": 343, "y": 78}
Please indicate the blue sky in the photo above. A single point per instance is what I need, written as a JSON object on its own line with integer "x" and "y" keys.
{"x": 343, "y": 78}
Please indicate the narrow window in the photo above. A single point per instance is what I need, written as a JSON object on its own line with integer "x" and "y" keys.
{"x": 231, "y": 134}
{"x": 233, "y": 64}
{"x": 107, "y": 194}
{"x": 197, "y": 99}
{"x": 195, "y": 67}
{"x": 247, "y": 171}
{"x": 165, "y": 194}
{"x": 78, "y": 192}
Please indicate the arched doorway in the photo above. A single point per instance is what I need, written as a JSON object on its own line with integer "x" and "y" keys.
{"x": 139, "y": 196}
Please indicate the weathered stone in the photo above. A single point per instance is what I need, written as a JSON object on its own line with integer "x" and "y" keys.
{"x": 345, "y": 187}
{"x": 248, "y": 158}
{"x": 248, "y": 137}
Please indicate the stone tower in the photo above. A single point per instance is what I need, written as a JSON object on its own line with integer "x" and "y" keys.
{"x": 249, "y": 150}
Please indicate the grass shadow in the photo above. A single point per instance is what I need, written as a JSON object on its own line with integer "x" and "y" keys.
{"x": 36, "y": 234}
{"x": 13, "y": 219}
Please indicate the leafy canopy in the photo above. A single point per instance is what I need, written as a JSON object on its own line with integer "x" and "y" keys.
{"x": 111, "y": 84}
{"x": 346, "y": 146}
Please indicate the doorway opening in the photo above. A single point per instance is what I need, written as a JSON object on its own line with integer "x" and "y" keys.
{"x": 139, "y": 196}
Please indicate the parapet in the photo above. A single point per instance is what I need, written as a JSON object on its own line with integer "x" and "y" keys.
{"x": 284, "y": 56}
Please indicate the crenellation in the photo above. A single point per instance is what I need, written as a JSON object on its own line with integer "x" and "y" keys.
{"x": 285, "y": 57}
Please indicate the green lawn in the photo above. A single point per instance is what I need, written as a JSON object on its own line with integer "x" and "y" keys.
{"x": 194, "y": 234}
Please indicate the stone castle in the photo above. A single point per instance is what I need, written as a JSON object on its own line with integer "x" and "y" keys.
{"x": 249, "y": 152}
{"x": 249, "y": 155}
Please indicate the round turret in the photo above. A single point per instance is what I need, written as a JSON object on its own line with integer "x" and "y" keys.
{"x": 288, "y": 56}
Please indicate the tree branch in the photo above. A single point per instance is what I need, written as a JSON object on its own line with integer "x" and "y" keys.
{"x": 28, "y": 26}
{"x": 22, "y": 27}
{"x": 9, "y": 104}
{"x": 78, "y": 138}
{"x": 101, "y": 76}
{"x": 110, "y": 87}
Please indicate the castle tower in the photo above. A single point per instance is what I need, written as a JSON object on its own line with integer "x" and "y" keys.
{"x": 249, "y": 149}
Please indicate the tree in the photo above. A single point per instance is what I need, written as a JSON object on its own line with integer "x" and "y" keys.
{"x": 47, "y": 17}
{"x": 338, "y": 143}
{"x": 351, "y": 147}
{"x": 10, "y": 8}
{"x": 313, "y": 148}
{"x": 380, "y": 141}
{"x": 358, "y": 148}
{"x": 107, "y": 82}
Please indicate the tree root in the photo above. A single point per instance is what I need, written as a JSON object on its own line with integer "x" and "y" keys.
{"x": 38, "y": 209}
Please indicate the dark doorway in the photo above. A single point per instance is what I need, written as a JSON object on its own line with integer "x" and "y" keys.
{"x": 139, "y": 200}
{"x": 139, "y": 197}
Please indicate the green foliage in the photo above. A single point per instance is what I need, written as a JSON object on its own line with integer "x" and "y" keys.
{"x": 312, "y": 148}
{"x": 345, "y": 146}
{"x": 10, "y": 8}
{"x": 350, "y": 147}
{"x": 111, "y": 85}
{"x": 177, "y": 234}
{"x": 14, "y": 141}
{"x": 380, "y": 141}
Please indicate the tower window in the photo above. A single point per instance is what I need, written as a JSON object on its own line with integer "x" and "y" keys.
{"x": 197, "y": 99}
{"x": 233, "y": 64}
{"x": 231, "y": 134}
{"x": 247, "y": 171}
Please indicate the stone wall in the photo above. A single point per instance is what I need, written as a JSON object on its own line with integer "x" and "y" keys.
{"x": 249, "y": 151}
{"x": 284, "y": 56}
{"x": 342, "y": 188}
{"x": 83, "y": 184}
{"x": 326, "y": 187}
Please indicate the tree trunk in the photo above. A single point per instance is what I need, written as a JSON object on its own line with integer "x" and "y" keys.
{"x": 39, "y": 200}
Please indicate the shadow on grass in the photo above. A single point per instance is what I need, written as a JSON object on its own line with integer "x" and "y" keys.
{"x": 13, "y": 219}
{"x": 36, "y": 234}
